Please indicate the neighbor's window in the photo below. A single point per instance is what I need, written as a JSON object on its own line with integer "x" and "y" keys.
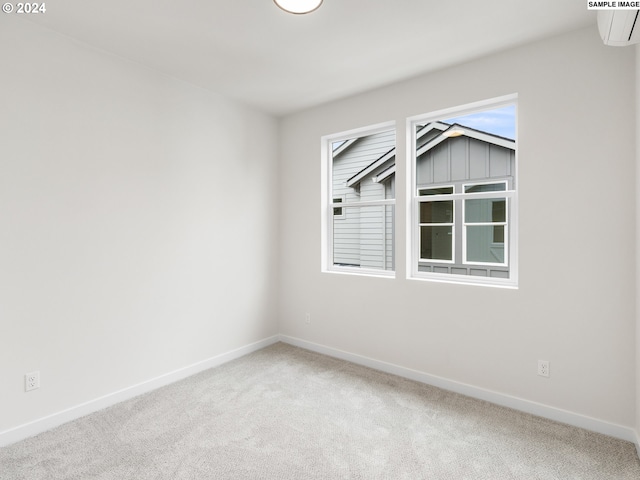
{"x": 359, "y": 200}
{"x": 338, "y": 212}
{"x": 463, "y": 177}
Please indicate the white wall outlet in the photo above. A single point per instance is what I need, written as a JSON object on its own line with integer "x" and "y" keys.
{"x": 31, "y": 381}
{"x": 307, "y": 318}
{"x": 543, "y": 368}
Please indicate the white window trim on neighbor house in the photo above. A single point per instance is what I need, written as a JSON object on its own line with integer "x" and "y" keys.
{"x": 337, "y": 200}
{"x": 327, "y": 233}
{"x": 413, "y": 205}
{"x": 498, "y": 195}
{"x": 444, "y": 197}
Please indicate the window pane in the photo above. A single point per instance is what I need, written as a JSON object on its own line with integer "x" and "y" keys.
{"x": 496, "y": 121}
{"x": 485, "y": 210}
{"x": 363, "y": 237}
{"x": 464, "y": 190}
{"x": 359, "y": 221}
{"x": 499, "y": 211}
{"x": 356, "y": 164}
{"x": 436, "y": 191}
{"x": 337, "y": 211}
{"x": 336, "y": 145}
{"x": 491, "y": 187}
{"x": 481, "y": 245}
{"x": 436, "y": 243}
{"x": 436, "y": 212}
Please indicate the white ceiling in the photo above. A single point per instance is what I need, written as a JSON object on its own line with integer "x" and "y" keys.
{"x": 252, "y": 51}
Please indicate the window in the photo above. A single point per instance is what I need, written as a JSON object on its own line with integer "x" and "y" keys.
{"x": 338, "y": 212}
{"x": 359, "y": 201}
{"x": 436, "y": 226}
{"x": 464, "y": 198}
{"x": 485, "y": 221}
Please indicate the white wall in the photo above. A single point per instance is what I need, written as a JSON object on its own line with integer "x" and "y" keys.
{"x": 575, "y": 304}
{"x": 137, "y": 221}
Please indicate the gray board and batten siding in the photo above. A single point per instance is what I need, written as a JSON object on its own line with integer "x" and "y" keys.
{"x": 472, "y": 158}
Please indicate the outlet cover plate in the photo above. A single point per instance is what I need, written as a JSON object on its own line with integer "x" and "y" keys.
{"x": 31, "y": 381}
{"x": 543, "y": 368}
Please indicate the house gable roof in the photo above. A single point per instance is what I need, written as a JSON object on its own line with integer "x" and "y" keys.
{"x": 391, "y": 170}
{"x": 467, "y": 132}
{"x": 440, "y": 126}
{"x": 387, "y": 157}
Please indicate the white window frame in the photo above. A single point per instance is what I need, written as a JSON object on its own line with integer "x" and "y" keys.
{"x": 497, "y": 194}
{"x": 342, "y": 200}
{"x": 437, "y": 198}
{"x": 326, "y": 226}
{"x": 413, "y": 200}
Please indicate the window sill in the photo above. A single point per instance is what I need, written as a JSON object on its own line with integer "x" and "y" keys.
{"x": 361, "y": 272}
{"x": 466, "y": 280}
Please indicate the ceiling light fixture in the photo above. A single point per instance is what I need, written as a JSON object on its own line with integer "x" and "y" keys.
{"x": 298, "y": 6}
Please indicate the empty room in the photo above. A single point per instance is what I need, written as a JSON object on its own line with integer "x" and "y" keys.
{"x": 298, "y": 239}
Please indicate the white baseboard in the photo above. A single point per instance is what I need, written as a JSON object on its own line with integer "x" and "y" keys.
{"x": 51, "y": 421}
{"x": 527, "y": 406}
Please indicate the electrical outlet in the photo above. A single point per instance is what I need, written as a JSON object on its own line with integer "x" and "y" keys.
{"x": 543, "y": 368}
{"x": 31, "y": 381}
{"x": 307, "y": 318}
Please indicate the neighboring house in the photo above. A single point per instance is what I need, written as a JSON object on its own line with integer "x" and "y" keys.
{"x": 363, "y": 236}
{"x": 450, "y": 158}
{"x": 468, "y": 236}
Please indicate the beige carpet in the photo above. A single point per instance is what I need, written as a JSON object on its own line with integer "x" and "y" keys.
{"x": 286, "y": 413}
